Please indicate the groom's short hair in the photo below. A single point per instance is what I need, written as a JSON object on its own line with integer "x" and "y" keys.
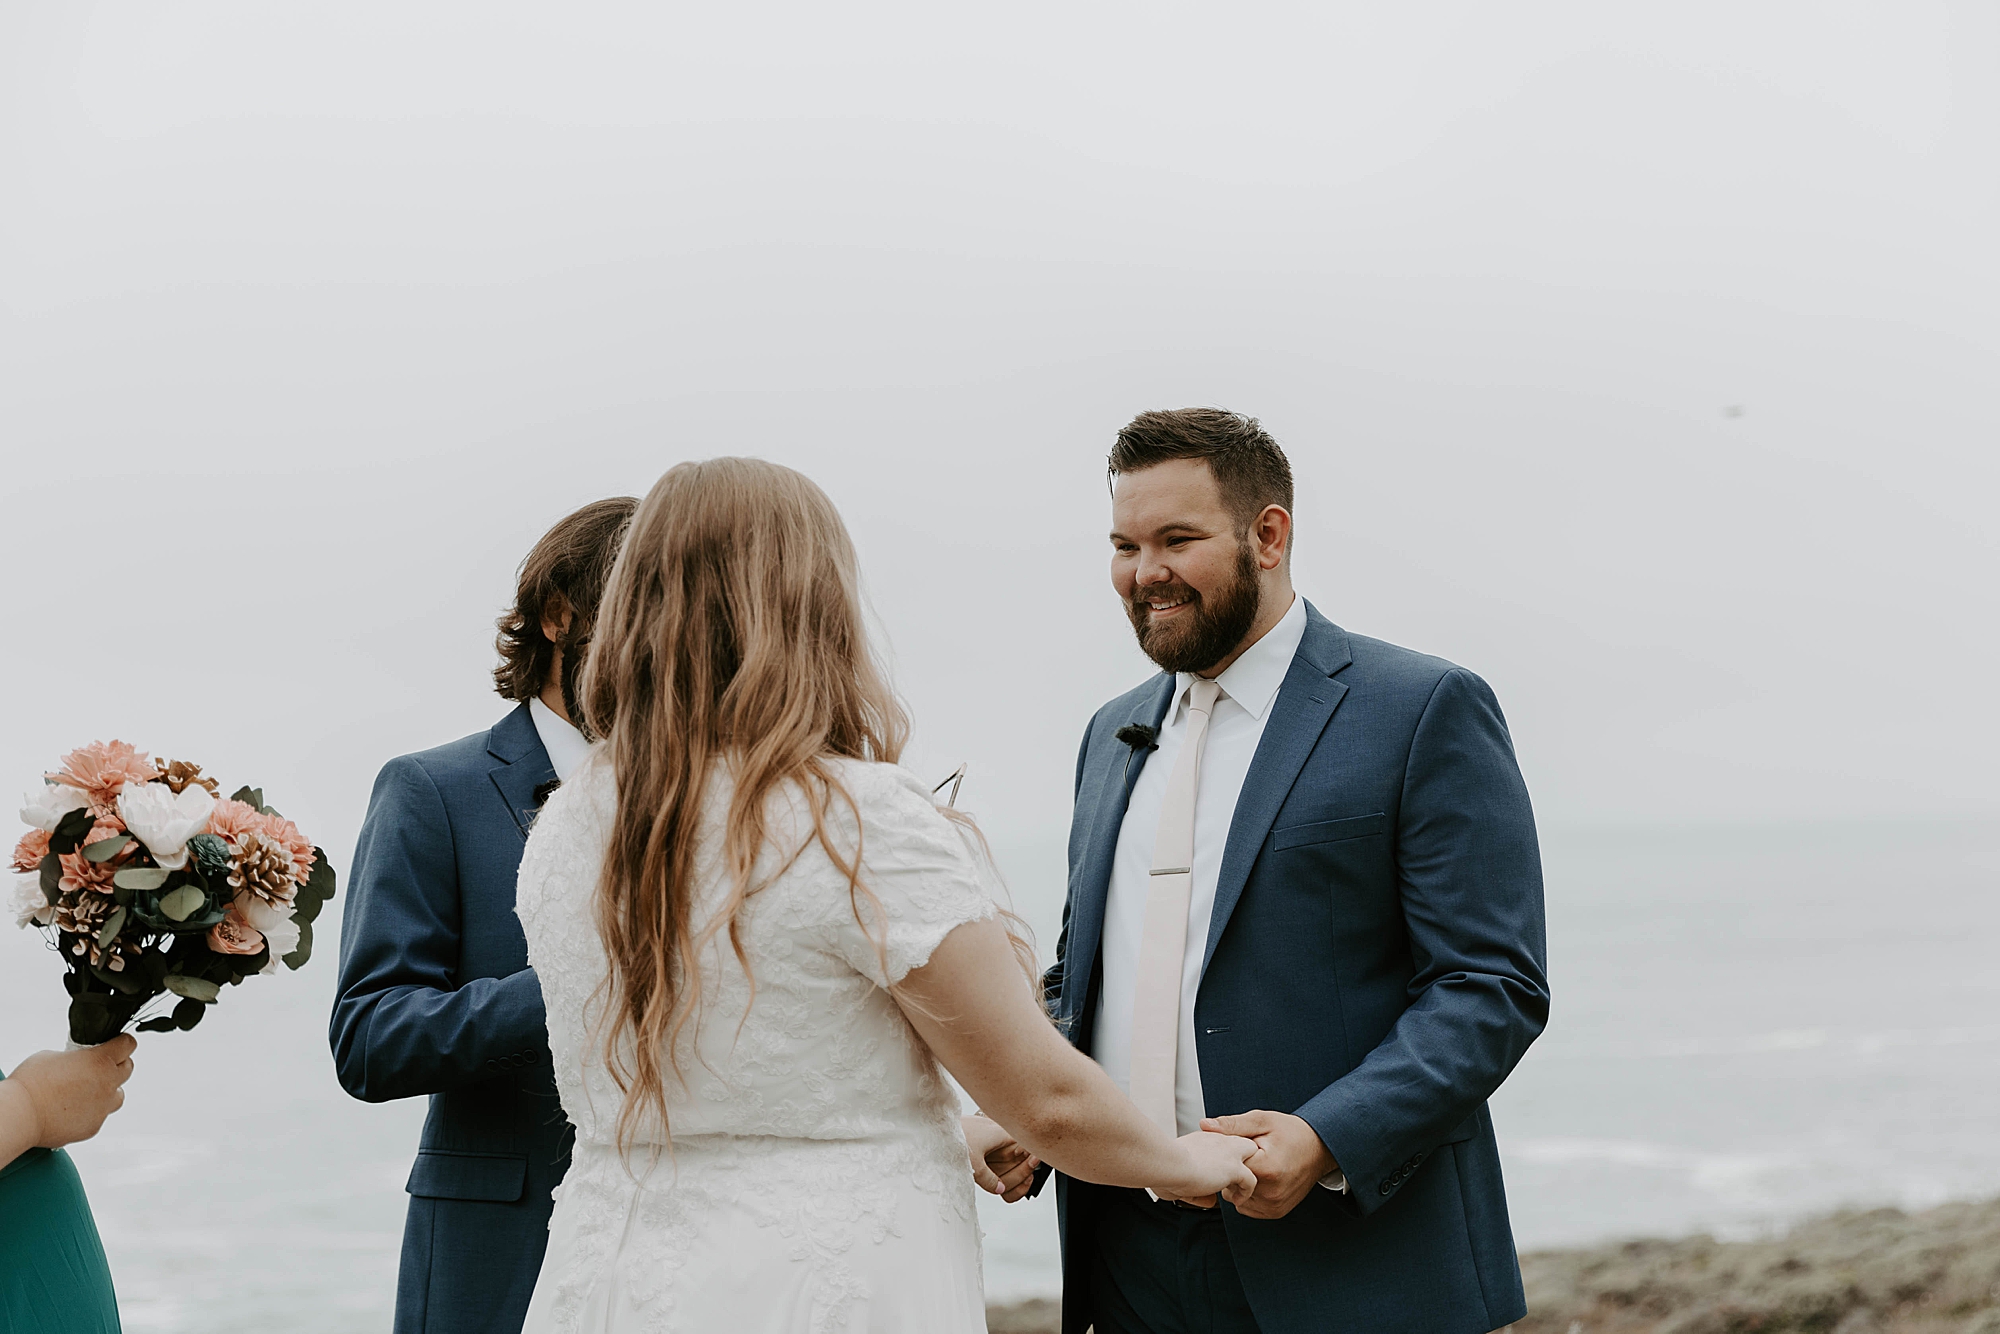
{"x": 568, "y": 567}
{"x": 1249, "y": 468}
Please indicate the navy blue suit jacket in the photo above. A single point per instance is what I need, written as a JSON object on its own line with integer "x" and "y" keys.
{"x": 436, "y": 997}
{"x": 1376, "y": 965}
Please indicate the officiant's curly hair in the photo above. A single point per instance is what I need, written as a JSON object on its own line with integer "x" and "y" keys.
{"x": 567, "y": 568}
{"x": 732, "y": 630}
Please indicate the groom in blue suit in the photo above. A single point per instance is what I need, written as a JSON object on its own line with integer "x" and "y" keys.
{"x": 1345, "y": 966}
{"x": 435, "y": 996}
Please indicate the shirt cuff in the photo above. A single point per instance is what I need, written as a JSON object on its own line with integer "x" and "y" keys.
{"x": 1335, "y": 1180}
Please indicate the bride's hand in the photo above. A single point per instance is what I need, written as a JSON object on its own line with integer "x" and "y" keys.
{"x": 1215, "y": 1166}
{"x": 1000, "y": 1166}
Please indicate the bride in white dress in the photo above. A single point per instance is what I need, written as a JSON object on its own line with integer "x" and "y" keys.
{"x": 757, "y": 938}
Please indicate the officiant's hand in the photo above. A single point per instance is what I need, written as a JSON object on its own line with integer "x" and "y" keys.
{"x": 1289, "y": 1161}
{"x": 59, "y": 1097}
{"x": 999, "y": 1165}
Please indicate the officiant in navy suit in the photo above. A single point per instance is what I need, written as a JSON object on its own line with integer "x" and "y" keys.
{"x": 1305, "y": 905}
{"x": 435, "y": 995}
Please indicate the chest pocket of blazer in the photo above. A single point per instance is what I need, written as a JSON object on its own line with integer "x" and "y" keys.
{"x": 1328, "y": 831}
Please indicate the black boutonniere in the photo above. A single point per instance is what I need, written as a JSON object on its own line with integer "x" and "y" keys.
{"x": 543, "y": 791}
{"x": 1141, "y": 739}
{"x": 1139, "y": 736}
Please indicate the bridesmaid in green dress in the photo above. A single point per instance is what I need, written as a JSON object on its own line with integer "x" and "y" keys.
{"x": 53, "y": 1277}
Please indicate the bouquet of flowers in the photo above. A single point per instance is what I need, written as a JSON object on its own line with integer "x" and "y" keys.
{"x": 148, "y": 885}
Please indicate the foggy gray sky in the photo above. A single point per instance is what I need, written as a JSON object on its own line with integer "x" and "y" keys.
{"x": 313, "y": 317}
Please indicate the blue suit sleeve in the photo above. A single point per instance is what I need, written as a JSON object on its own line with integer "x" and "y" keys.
{"x": 402, "y": 1026}
{"x": 1471, "y": 889}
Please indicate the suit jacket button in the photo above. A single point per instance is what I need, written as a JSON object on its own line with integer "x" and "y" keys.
{"x": 1386, "y": 1187}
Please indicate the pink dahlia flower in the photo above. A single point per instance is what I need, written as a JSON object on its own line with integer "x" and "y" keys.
{"x": 28, "y": 853}
{"x": 101, "y": 768}
{"x": 79, "y": 873}
{"x": 231, "y": 820}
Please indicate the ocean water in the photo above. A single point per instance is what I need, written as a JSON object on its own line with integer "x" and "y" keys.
{"x": 1751, "y": 1025}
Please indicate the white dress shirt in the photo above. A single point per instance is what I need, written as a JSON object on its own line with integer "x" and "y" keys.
{"x": 1249, "y": 688}
{"x": 566, "y": 746}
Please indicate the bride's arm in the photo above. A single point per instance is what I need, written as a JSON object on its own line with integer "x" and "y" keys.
{"x": 972, "y": 1007}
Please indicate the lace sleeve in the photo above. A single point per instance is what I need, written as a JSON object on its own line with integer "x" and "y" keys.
{"x": 921, "y": 871}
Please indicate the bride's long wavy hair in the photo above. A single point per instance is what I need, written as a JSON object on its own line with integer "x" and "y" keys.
{"x": 731, "y": 630}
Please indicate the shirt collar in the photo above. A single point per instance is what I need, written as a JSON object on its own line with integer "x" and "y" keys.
{"x": 565, "y": 745}
{"x": 1253, "y": 679}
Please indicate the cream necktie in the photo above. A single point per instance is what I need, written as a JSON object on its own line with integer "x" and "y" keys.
{"x": 1156, "y": 1001}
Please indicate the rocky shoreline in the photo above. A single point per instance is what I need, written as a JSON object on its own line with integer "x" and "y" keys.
{"x": 1881, "y": 1271}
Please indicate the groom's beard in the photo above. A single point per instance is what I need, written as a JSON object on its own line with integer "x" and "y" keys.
{"x": 570, "y": 679}
{"x": 1204, "y": 634}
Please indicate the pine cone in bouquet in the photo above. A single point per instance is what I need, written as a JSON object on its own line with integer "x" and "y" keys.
{"x": 148, "y": 886}
{"x": 179, "y": 774}
{"x": 263, "y": 868}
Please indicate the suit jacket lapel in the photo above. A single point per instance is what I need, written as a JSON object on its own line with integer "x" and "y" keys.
{"x": 1114, "y": 771}
{"x": 1299, "y": 714}
{"x": 524, "y": 765}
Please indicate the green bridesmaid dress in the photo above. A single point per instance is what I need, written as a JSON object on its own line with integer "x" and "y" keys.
{"x": 53, "y": 1276}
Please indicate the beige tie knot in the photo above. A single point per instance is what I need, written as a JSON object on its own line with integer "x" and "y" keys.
{"x": 1203, "y": 694}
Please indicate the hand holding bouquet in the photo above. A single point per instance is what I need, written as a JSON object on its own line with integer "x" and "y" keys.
{"x": 148, "y": 885}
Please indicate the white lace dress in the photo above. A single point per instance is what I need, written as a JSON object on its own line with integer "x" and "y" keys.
{"x": 816, "y": 1179}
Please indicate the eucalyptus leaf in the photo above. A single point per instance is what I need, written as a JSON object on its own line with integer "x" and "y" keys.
{"x": 194, "y": 988}
{"x": 52, "y": 878}
{"x": 159, "y": 1024}
{"x": 187, "y": 1014}
{"x": 315, "y": 892}
{"x": 105, "y": 848}
{"x": 178, "y": 904}
{"x": 140, "y": 877}
{"x": 112, "y": 926}
{"x": 70, "y": 831}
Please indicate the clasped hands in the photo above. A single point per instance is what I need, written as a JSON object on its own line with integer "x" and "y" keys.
{"x": 1288, "y": 1161}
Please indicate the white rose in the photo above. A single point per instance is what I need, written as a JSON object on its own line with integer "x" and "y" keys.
{"x": 31, "y": 906}
{"x": 165, "y": 822}
{"x": 45, "y": 809}
{"x": 276, "y": 923}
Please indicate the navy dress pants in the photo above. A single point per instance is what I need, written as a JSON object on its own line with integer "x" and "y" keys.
{"x": 1160, "y": 1269}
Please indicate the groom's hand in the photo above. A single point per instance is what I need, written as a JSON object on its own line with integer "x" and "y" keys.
{"x": 1000, "y": 1166}
{"x": 1289, "y": 1161}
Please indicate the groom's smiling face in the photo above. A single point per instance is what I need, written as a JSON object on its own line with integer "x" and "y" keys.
{"x": 1188, "y": 577}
